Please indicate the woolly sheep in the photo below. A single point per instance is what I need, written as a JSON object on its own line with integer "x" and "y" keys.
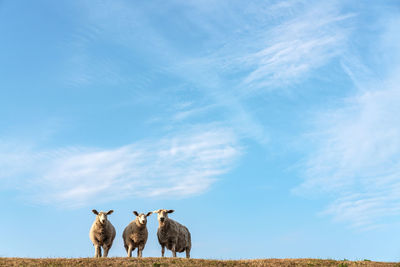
{"x": 172, "y": 234}
{"x": 102, "y": 233}
{"x": 135, "y": 234}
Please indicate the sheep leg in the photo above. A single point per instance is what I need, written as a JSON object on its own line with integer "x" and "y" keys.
{"x": 173, "y": 251}
{"x": 140, "y": 250}
{"x": 106, "y": 249}
{"x": 187, "y": 252}
{"x": 130, "y": 251}
{"x": 97, "y": 251}
{"x": 162, "y": 250}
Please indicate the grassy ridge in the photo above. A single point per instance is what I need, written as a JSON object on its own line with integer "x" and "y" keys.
{"x": 164, "y": 262}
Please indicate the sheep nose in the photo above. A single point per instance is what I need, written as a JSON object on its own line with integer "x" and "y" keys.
{"x": 162, "y": 219}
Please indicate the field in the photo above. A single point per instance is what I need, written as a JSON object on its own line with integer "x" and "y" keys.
{"x": 164, "y": 262}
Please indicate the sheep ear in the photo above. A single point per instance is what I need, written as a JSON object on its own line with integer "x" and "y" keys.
{"x": 156, "y": 211}
{"x": 109, "y": 212}
{"x": 149, "y": 213}
{"x": 170, "y": 211}
{"x": 136, "y": 213}
{"x": 95, "y": 212}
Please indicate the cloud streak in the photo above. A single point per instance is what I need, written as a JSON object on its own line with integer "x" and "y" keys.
{"x": 278, "y": 52}
{"x": 176, "y": 166}
{"x": 296, "y": 48}
{"x": 264, "y": 52}
{"x": 357, "y": 156}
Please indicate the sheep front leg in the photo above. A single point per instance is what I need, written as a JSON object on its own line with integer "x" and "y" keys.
{"x": 130, "y": 251}
{"x": 106, "y": 249}
{"x": 173, "y": 251}
{"x": 162, "y": 250}
{"x": 187, "y": 253}
{"x": 140, "y": 249}
{"x": 97, "y": 251}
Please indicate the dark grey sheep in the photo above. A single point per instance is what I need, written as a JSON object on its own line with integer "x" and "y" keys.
{"x": 135, "y": 234}
{"x": 173, "y": 235}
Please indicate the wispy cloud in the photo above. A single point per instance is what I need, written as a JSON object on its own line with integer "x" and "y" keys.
{"x": 297, "y": 46}
{"x": 189, "y": 111}
{"x": 176, "y": 166}
{"x": 243, "y": 49}
{"x": 275, "y": 45}
{"x": 357, "y": 157}
{"x": 236, "y": 49}
{"x": 264, "y": 53}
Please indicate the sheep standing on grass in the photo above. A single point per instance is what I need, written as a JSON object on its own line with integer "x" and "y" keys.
{"x": 135, "y": 234}
{"x": 102, "y": 233}
{"x": 172, "y": 234}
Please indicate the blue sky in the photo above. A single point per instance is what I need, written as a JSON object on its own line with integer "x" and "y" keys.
{"x": 271, "y": 127}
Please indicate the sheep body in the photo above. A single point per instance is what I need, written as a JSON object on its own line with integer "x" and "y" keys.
{"x": 135, "y": 234}
{"x": 173, "y": 235}
{"x": 174, "y": 231}
{"x": 102, "y": 234}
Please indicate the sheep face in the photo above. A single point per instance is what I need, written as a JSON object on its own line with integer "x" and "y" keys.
{"x": 142, "y": 218}
{"x": 102, "y": 216}
{"x": 162, "y": 214}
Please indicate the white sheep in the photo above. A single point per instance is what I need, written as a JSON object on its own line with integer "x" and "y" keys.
{"x": 171, "y": 234}
{"x": 102, "y": 233}
{"x": 135, "y": 234}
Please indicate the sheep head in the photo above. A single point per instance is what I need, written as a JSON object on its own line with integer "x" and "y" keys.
{"x": 162, "y": 214}
{"x": 102, "y": 216}
{"x": 142, "y": 218}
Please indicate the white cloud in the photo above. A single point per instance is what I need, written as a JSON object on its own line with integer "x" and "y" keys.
{"x": 303, "y": 42}
{"x": 263, "y": 53}
{"x": 273, "y": 45}
{"x": 176, "y": 166}
{"x": 242, "y": 49}
{"x": 362, "y": 136}
{"x": 357, "y": 157}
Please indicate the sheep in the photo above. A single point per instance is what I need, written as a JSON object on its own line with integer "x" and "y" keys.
{"x": 171, "y": 234}
{"x": 135, "y": 234}
{"x": 102, "y": 233}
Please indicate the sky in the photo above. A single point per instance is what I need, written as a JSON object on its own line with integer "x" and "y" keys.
{"x": 272, "y": 128}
